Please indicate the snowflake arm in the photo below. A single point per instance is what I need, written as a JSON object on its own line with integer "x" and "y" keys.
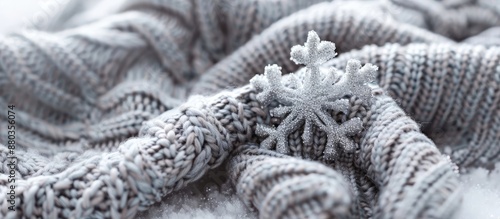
{"x": 271, "y": 86}
{"x": 308, "y": 101}
{"x": 355, "y": 80}
{"x": 279, "y": 135}
{"x": 312, "y": 54}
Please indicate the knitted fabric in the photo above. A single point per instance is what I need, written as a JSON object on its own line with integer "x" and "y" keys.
{"x": 272, "y": 182}
{"x": 392, "y": 172}
{"x": 107, "y": 120}
{"x": 453, "y": 91}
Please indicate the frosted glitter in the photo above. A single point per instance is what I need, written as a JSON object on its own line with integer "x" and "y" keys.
{"x": 307, "y": 101}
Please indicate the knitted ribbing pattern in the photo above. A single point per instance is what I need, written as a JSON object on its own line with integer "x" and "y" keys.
{"x": 82, "y": 94}
{"x": 394, "y": 169}
{"x": 72, "y": 109}
{"x": 441, "y": 86}
{"x": 453, "y": 91}
{"x": 335, "y": 22}
{"x": 171, "y": 151}
{"x": 84, "y": 101}
{"x": 354, "y": 25}
{"x": 391, "y": 145}
{"x": 275, "y": 184}
{"x": 180, "y": 145}
{"x": 77, "y": 94}
{"x": 456, "y": 19}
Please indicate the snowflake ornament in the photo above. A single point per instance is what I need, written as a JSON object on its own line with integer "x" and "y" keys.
{"x": 306, "y": 101}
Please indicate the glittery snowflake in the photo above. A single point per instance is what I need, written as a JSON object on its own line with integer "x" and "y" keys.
{"x": 306, "y": 101}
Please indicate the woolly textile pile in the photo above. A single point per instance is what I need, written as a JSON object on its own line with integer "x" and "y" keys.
{"x": 481, "y": 200}
{"x": 109, "y": 121}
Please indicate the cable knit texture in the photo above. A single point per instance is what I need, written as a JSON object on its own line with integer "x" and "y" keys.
{"x": 114, "y": 113}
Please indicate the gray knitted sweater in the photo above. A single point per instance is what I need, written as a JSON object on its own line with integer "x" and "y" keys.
{"x": 114, "y": 114}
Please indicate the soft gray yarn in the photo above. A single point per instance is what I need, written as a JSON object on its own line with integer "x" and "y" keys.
{"x": 272, "y": 183}
{"x": 82, "y": 96}
{"x": 453, "y": 91}
{"x": 456, "y": 19}
{"x": 335, "y": 22}
{"x": 394, "y": 169}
